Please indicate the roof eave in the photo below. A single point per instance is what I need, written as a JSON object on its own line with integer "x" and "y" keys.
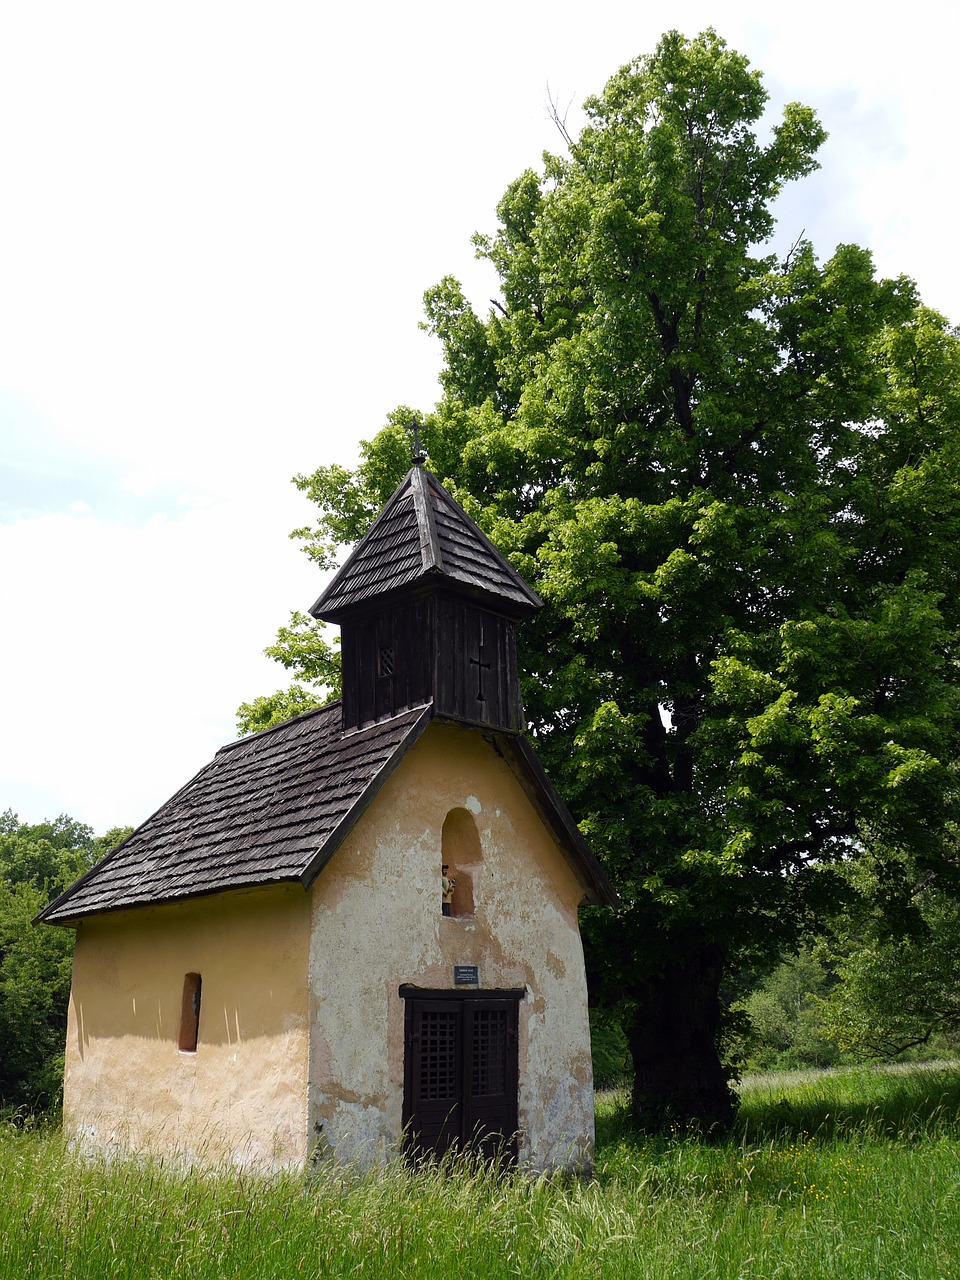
{"x": 43, "y": 917}
{"x": 546, "y": 798}
{"x": 71, "y": 922}
{"x": 430, "y": 581}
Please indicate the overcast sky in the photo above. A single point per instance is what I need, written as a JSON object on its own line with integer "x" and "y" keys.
{"x": 216, "y": 225}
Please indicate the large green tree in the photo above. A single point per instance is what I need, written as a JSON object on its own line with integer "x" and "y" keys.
{"x": 733, "y": 479}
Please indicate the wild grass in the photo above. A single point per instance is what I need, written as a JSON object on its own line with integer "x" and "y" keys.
{"x": 852, "y": 1174}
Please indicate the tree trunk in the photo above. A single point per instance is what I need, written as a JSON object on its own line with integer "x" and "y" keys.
{"x": 678, "y": 1078}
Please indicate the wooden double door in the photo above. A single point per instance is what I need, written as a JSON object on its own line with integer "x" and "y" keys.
{"x": 460, "y": 1072}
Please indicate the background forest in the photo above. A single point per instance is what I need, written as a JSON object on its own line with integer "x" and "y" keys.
{"x": 37, "y": 862}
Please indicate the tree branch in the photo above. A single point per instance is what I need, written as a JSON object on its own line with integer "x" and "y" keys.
{"x": 559, "y": 120}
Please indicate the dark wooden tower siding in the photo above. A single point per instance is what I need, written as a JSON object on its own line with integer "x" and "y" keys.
{"x": 476, "y": 665}
{"x": 387, "y": 661}
{"x": 427, "y": 607}
{"x": 437, "y": 648}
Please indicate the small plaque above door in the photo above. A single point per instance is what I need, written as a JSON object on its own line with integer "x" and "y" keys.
{"x": 466, "y": 975}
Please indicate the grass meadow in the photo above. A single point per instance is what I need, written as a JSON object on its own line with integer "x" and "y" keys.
{"x": 843, "y": 1175}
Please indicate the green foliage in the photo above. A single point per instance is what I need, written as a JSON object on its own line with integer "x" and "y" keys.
{"x": 852, "y": 1175}
{"x": 36, "y": 863}
{"x": 897, "y": 993}
{"x": 302, "y": 648}
{"x": 46, "y": 854}
{"x": 35, "y": 967}
{"x": 735, "y": 482}
{"x": 786, "y": 1015}
{"x": 273, "y": 708}
{"x": 611, "y": 1053}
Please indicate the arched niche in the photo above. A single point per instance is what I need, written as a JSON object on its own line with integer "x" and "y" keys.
{"x": 461, "y": 853}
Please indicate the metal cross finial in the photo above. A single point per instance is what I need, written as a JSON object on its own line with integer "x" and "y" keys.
{"x": 418, "y": 454}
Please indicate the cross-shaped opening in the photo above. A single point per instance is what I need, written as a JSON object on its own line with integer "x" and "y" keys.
{"x": 481, "y": 666}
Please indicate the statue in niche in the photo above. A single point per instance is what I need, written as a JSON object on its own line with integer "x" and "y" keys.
{"x": 447, "y": 884}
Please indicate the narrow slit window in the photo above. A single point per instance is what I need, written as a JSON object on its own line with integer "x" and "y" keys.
{"x": 190, "y": 1014}
{"x": 386, "y": 661}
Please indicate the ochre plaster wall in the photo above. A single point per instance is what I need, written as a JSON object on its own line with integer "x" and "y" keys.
{"x": 377, "y": 924}
{"x": 241, "y": 1097}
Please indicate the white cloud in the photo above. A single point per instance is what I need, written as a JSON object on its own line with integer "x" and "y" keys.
{"x": 127, "y": 650}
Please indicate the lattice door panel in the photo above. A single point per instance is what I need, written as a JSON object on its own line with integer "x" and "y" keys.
{"x": 439, "y": 1078}
{"x": 488, "y": 1073}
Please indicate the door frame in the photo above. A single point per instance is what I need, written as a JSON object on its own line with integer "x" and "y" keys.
{"x": 462, "y": 997}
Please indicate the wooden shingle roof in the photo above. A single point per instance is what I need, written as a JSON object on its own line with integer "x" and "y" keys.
{"x": 423, "y": 535}
{"x": 266, "y": 809}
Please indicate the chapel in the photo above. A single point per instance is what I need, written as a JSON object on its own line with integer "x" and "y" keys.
{"x": 354, "y": 934}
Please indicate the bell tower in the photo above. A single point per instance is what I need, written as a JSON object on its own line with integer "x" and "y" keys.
{"x": 427, "y": 608}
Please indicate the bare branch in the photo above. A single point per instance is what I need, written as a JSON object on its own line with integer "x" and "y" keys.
{"x": 553, "y": 110}
{"x": 793, "y": 249}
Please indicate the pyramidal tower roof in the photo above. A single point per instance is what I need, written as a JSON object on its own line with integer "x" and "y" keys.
{"x": 423, "y": 537}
